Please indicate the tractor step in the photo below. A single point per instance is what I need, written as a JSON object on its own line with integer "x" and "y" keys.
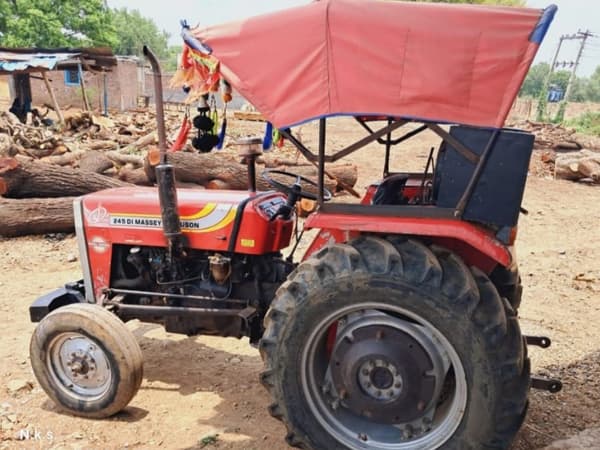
{"x": 539, "y": 341}
{"x": 546, "y": 384}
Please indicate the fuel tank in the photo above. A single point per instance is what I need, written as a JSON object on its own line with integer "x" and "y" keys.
{"x": 235, "y": 221}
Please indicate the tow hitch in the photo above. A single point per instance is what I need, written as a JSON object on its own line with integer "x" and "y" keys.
{"x": 542, "y": 383}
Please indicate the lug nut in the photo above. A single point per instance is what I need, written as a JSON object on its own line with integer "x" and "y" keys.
{"x": 363, "y": 437}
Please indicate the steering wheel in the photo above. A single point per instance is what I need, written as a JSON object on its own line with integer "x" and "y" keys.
{"x": 294, "y": 191}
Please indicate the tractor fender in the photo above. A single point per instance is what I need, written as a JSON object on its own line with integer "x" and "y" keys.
{"x": 44, "y": 305}
{"x": 477, "y": 246}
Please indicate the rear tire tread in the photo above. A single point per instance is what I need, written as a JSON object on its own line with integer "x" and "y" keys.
{"x": 430, "y": 269}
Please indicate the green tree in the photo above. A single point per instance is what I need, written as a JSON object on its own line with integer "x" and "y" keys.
{"x": 169, "y": 62}
{"x": 589, "y": 88}
{"x": 55, "y": 23}
{"x": 134, "y": 31}
{"x": 534, "y": 82}
{"x": 536, "y": 79}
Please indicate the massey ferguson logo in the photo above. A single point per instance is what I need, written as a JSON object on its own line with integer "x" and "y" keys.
{"x": 143, "y": 222}
{"x": 210, "y": 218}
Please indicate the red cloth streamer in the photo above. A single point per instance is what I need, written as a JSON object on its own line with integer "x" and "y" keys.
{"x": 182, "y": 135}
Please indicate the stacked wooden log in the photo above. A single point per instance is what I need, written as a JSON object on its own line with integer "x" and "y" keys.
{"x": 562, "y": 152}
{"x": 42, "y": 169}
{"x": 583, "y": 165}
{"x": 550, "y": 136}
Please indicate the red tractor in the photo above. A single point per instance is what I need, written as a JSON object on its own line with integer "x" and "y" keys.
{"x": 398, "y": 329}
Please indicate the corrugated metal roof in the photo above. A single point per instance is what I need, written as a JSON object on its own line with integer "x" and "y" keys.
{"x": 11, "y": 62}
{"x": 35, "y": 59}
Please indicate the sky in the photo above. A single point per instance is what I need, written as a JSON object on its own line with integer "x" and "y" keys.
{"x": 572, "y": 15}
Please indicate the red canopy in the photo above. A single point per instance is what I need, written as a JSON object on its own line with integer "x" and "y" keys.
{"x": 427, "y": 61}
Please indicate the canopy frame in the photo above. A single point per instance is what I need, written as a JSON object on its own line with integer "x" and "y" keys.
{"x": 377, "y": 136}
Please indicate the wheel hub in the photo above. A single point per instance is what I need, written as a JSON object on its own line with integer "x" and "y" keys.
{"x": 383, "y": 372}
{"x": 380, "y": 379}
{"x": 79, "y": 365}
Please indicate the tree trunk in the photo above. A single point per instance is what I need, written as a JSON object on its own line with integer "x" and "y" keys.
{"x": 95, "y": 161}
{"x": 66, "y": 159}
{"x": 122, "y": 159}
{"x": 23, "y": 179}
{"x": 36, "y": 216}
{"x": 206, "y": 168}
{"x": 578, "y": 165}
{"x": 135, "y": 176}
{"x": 199, "y": 168}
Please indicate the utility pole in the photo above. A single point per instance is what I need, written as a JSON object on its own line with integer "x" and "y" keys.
{"x": 553, "y": 63}
{"x": 542, "y": 98}
{"x": 560, "y": 113}
{"x": 583, "y": 35}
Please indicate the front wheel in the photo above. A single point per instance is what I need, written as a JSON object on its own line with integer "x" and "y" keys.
{"x": 86, "y": 360}
{"x": 389, "y": 344}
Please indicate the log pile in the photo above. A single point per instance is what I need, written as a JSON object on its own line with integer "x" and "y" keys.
{"x": 561, "y": 152}
{"x": 550, "y": 136}
{"x": 42, "y": 169}
{"x": 583, "y": 165}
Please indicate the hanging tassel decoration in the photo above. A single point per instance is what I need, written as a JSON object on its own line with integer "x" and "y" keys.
{"x": 268, "y": 139}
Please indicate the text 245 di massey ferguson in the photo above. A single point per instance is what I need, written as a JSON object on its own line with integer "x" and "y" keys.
{"x": 398, "y": 329}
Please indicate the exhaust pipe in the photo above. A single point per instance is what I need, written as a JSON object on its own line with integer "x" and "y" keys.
{"x": 165, "y": 175}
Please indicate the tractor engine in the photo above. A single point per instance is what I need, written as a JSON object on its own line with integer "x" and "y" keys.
{"x": 208, "y": 280}
{"x": 220, "y": 282}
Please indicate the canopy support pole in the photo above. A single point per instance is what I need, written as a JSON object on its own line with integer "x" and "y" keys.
{"x": 466, "y": 152}
{"x": 321, "y": 174}
{"x": 59, "y": 113}
{"x": 388, "y": 148}
{"x": 395, "y": 141}
{"x": 464, "y": 200}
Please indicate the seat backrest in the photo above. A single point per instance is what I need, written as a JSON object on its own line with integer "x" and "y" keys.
{"x": 497, "y": 197}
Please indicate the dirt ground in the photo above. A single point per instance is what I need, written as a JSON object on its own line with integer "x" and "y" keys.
{"x": 203, "y": 392}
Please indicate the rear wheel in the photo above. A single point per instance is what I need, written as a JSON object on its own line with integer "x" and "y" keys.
{"x": 389, "y": 344}
{"x": 86, "y": 360}
{"x": 508, "y": 283}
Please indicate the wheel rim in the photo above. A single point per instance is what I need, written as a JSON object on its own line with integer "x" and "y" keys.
{"x": 79, "y": 366}
{"x": 378, "y": 376}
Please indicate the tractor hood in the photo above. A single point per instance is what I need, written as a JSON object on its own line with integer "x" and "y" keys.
{"x": 200, "y": 210}
{"x": 209, "y": 219}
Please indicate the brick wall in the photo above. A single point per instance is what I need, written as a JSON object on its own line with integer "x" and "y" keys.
{"x": 122, "y": 88}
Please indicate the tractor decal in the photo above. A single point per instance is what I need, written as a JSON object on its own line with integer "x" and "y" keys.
{"x": 212, "y": 217}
